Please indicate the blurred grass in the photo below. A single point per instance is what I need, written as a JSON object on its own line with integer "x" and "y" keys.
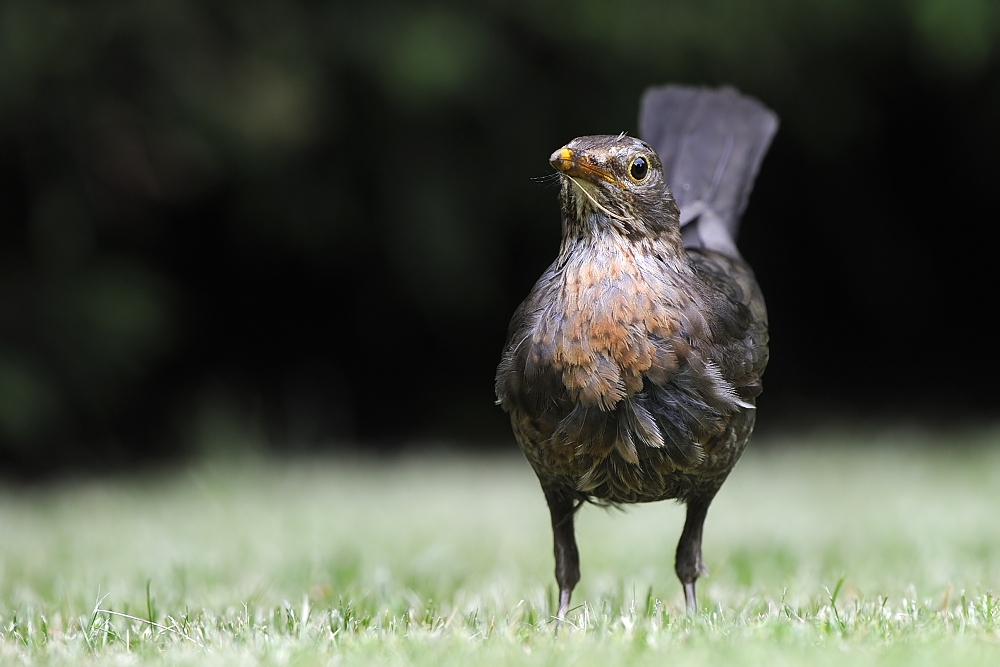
{"x": 444, "y": 559}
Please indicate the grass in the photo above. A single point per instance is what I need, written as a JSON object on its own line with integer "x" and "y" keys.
{"x": 830, "y": 551}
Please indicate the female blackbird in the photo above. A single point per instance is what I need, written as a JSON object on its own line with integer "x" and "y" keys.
{"x": 632, "y": 368}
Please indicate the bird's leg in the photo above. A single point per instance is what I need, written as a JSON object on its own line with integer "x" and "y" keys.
{"x": 562, "y": 507}
{"x": 689, "y": 565}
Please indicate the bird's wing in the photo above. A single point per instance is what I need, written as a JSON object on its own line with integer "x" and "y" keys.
{"x": 711, "y": 143}
{"x": 740, "y": 319}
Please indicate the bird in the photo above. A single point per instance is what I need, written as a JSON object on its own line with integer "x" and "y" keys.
{"x": 632, "y": 368}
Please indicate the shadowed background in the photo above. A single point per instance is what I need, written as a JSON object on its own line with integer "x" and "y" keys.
{"x": 300, "y": 224}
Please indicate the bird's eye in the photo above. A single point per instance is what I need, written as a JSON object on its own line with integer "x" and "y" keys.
{"x": 638, "y": 169}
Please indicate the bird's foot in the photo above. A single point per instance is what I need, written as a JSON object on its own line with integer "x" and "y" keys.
{"x": 563, "y": 608}
{"x": 690, "y": 602}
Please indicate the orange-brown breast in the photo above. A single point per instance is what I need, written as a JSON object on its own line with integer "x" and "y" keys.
{"x": 605, "y": 330}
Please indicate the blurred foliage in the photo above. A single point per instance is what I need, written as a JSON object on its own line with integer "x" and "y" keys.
{"x": 324, "y": 210}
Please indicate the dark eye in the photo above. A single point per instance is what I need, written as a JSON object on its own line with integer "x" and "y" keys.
{"x": 638, "y": 169}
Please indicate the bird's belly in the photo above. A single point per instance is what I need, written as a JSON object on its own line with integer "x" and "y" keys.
{"x": 602, "y": 474}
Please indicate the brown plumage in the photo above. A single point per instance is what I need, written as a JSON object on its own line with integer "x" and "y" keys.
{"x": 632, "y": 368}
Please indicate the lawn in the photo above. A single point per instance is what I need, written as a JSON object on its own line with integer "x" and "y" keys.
{"x": 824, "y": 550}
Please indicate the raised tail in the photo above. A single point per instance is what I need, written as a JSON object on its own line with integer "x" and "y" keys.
{"x": 711, "y": 143}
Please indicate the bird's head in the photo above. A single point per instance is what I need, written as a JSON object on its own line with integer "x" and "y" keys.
{"x": 614, "y": 183}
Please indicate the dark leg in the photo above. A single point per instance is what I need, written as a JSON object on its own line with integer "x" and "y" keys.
{"x": 689, "y": 565}
{"x": 562, "y": 507}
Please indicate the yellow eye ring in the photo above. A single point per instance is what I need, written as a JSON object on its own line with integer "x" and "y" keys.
{"x": 638, "y": 169}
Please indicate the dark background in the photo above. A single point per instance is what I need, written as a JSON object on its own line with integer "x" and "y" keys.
{"x": 303, "y": 225}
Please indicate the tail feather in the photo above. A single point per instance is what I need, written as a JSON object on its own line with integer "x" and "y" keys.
{"x": 711, "y": 143}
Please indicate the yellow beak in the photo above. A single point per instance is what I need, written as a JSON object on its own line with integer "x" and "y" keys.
{"x": 567, "y": 162}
